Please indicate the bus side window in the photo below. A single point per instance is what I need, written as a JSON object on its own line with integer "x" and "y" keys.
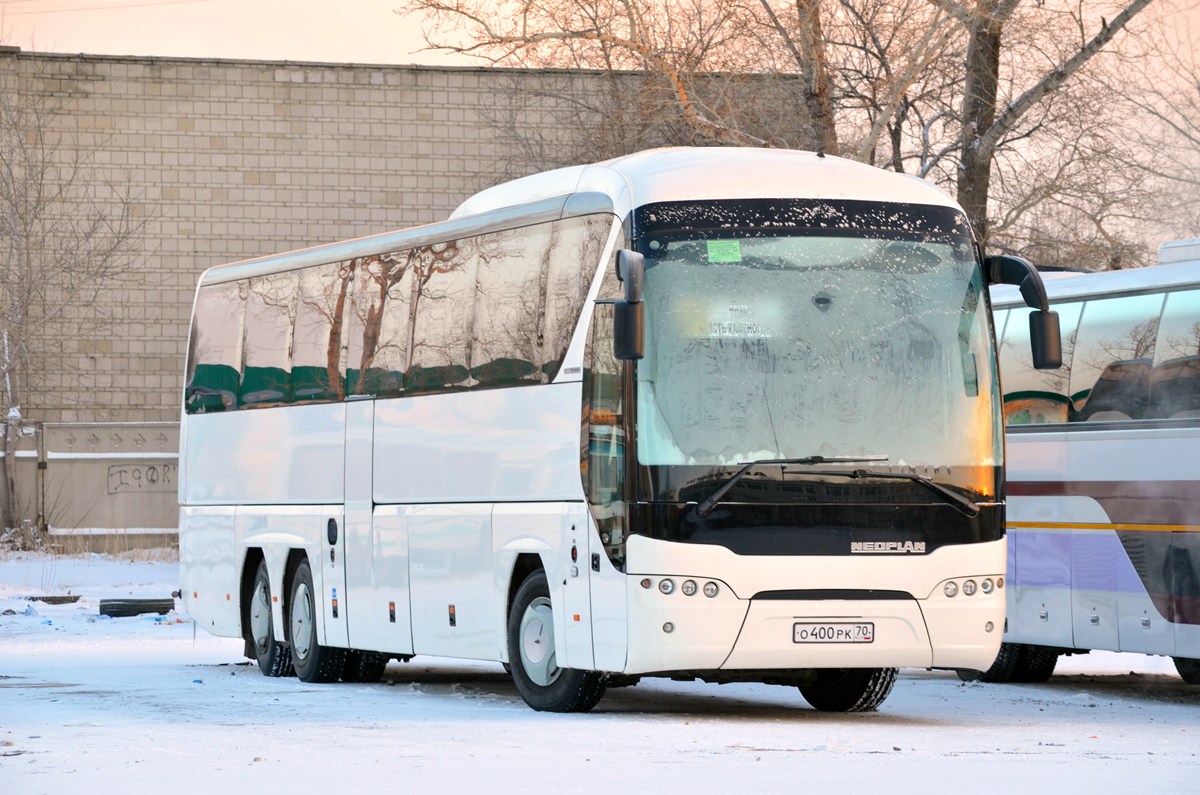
{"x": 380, "y": 323}
{"x": 215, "y": 349}
{"x": 270, "y": 312}
{"x": 442, "y": 302}
{"x": 532, "y": 283}
{"x": 317, "y": 344}
{"x": 1114, "y": 349}
{"x": 1175, "y": 378}
{"x": 510, "y": 306}
{"x": 1032, "y": 396}
{"x": 572, "y": 263}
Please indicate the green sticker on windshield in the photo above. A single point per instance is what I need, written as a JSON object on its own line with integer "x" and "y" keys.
{"x": 724, "y": 251}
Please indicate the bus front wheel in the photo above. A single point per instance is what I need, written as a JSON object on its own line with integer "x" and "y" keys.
{"x": 535, "y": 672}
{"x": 849, "y": 689}
{"x": 1189, "y": 669}
{"x": 273, "y": 657}
{"x": 313, "y": 662}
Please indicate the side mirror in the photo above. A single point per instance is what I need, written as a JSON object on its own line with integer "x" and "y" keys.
{"x": 1045, "y": 338}
{"x": 629, "y": 315}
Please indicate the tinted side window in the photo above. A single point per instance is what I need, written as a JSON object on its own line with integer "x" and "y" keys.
{"x": 531, "y": 286}
{"x": 506, "y": 348}
{"x": 317, "y": 344}
{"x": 392, "y": 349}
{"x": 1175, "y": 378}
{"x": 441, "y": 299}
{"x": 371, "y": 366}
{"x": 215, "y": 349}
{"x": 574, "y": 254}
{"x": 270, "y": 310}
{"x": 1114, "y": 351}
{"x": 1033, "y": 396}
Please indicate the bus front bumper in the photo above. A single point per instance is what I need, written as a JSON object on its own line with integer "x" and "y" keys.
{"x": 726, "y": 633}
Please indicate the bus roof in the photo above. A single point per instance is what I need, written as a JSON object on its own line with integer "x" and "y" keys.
{"x": 699, "y": 173}
{"x": 1068, "y": 286}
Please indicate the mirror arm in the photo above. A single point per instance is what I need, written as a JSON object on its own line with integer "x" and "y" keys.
{"x": 1006, "y": 269}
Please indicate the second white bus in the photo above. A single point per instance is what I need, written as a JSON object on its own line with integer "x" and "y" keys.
{"x": 1104, "y": 473}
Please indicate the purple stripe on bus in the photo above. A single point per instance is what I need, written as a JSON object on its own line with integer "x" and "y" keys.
{"x": 1087, "y": 560}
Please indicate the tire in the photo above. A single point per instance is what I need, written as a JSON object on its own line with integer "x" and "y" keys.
{"x": 539, "y": 681}
{"x": 122, "y": 608}
{"x": 1036, "y": 665}
{"x": 849, "y": 689}
{"x": 364, "y": 666}
{"x": 312, "y": 661}
{"x": 1189, "y": 669}
{"x": 274, "y": 658}
{"x": 1004, "y": 669}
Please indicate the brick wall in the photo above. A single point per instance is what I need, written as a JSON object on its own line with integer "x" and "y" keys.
{"x": 236, "y": 159}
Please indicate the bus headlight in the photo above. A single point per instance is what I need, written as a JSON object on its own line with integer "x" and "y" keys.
{"x": 710, "y": 589}
{"x": 969, "y": 588}
{"x": 688, "y": 587}
{"x": 986, "y": 586}
{"x": 951, "y": 588}
{"x": 666, "y": 586}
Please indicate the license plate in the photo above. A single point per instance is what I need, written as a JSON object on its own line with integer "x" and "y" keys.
{"x": 834, "y": 632}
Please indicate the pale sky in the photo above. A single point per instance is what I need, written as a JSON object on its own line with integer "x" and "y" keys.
{"x": 339, "y": 31}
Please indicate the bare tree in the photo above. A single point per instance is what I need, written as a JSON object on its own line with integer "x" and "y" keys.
{"x": 986, "y": 120}
{"x": 65, "y": 238}
{"x": 1160, "y": 92}
{"x": 972, "y": 94}
{"x": 688, "y": 50}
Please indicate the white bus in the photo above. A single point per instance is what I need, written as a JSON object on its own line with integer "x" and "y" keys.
{"x": 1104, "y": 473}
{"x": 701, "y": 413}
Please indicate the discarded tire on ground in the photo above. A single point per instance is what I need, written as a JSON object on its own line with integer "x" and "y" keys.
{"x": 118, "y": 608}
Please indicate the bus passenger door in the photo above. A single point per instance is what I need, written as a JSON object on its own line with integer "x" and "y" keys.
{"x": 376, "y": 547}
{"x": 352, "y": 544}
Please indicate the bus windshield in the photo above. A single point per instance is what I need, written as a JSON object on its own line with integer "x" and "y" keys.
{"x": 782, "y": 343}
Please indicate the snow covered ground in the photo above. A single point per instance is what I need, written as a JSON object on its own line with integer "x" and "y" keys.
{"x": 149, "y": 704}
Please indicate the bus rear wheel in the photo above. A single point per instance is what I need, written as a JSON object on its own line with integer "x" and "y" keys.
{"x": 273, "y": 657}
{"x": 535, "y": 672}
{"x": 313, "y": 662}
{"x": 1003, "y": 669}
{"x": 1037, "y": 665}
{"x": 849, "y": 689}
{"x": 364, "y": 666}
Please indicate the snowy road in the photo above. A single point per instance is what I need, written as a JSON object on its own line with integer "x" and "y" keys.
{"x": 96, "y": 705}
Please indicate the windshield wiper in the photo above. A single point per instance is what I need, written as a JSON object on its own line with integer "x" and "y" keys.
{"x": 708, "y": 503}
{"x": 956, "y": 500}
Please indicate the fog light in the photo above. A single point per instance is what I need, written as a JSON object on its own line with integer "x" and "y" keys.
{"x": 988, "y": 627}
{"x": 667, "y": 586}
{"x": 688, "y": 587}
{"x": 986, "y": 586}
{"x": 668, "y": 627}
{"x": 951, "y": 588}
{"x": 710, "y": 589}
{"x": 969, "y": 588}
